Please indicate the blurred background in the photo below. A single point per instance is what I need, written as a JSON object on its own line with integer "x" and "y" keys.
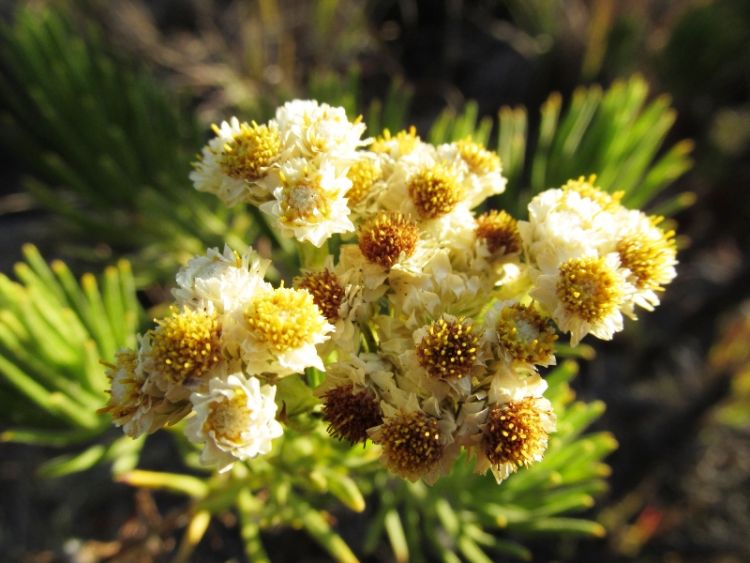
{"x": 676, "y": 386}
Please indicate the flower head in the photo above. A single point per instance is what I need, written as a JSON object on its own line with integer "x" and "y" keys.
{"x": 499, "y": 232}
{"x": 278, "y": 331}
{"x": 435, "y": 190}
{"x": 522, "y": 334}
{"x": 412, "y": 444}
{"x": 183, "y": 350}
{"x": 515, "y": 434}
{"x": 311, "y": 130}
{"x": 310, "y": 205}
{"x": 222, "y": 281}
{"x": 235, "y": 420}
{"x": 350, "y": 413}
{"x": 388, "y": 238}
{"x": 586, "y": 295}
{"x": 238, "y": 164}
{"x": 132, "y": 406}
{"x": 448, "y": 348}
{"x": 648, "y": 253}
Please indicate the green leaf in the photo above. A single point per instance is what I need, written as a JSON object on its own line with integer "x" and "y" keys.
{"x": 294, "y": 396}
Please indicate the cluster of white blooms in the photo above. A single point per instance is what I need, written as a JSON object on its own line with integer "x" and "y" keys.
{"x": 431, "y": 320}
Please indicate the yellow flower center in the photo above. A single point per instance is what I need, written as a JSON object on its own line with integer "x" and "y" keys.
{"x": 351, "y": 414}
{"x": 284, "y": 318}
{"x": 326, "y": 291}
{"x": 448, "y": 350}
{"x": 478, "y": 159}
{"x": 249, "y": 154}
{"x": 363, "y": 175}
{"x": 435, "y": 191}
{"x": 228, "y": 417}
{"x": 500, "y": 231}
{"x": 384, "y": 238}
{"x": 586, "y": 187}
{"x": 525, "y": 335}
{"x": 648, "y": 259}
{"x": 514, "y": 433}
{"x": 411, "y": 444}
{"x": 306, "y": 202}
{"x": 589, "y": 288}
{"x": 404, "y": 142}
{"x": 186, "y": 345}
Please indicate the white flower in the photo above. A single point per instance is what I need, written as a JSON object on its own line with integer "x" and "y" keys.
{"x": 425, "y": 187}
{"x": 310, "y": 205}
{"x": 310, "y": 129}
{"x": 648, "y": 252}
{"x": 520, "y": 334}
{"x": 132, "y": 405}
{"x": 237, "y": 165}
{"x": 235, "y": 420}
{"x": 277, "y": 332}
{"x": 484, "y": 177}
{"x": 586, "y": 295}
{"x": 226, "y": 280}
{"x": 577, "y": 219}
{"x": 517, "y": 425}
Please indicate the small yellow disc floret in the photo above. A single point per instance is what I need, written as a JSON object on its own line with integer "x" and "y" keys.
{"x": 449, "y": 349}
{"x": 228, "y": 418}
{"x": 650, "y": 259}
{"x": 249, "y": 154}
{"x": 589, "y": 288}
{"x": 186, "y": 345}
{"x": 515, "y": 434}
{"x": 435, "y": 191}
{"x": 284, "y": 318}
{"x": 363, "y": 175}
{"x": 525, "y": 335}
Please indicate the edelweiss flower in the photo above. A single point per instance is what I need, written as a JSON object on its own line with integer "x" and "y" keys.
{"x": 439, "y": 360}
{"x": 586, "y": 295}
{"x": 310, "y": 205}
{"x": 577, "y": 219}
{"x": 224, "y": 280}
{"x": 517, "y": 425}
{"x": 131, "y": 406}
{"x": 416, "y": 438}
{"x": 238, "y": 164}
{"x": 484, "y": 177}
{"x": 310, "y": 129}
{"x": 425, "y": 187}
{"x": 235, "y": 420}
{"x": 520, "y": 334}
{"x": 648, "y": 252}
{"x": 368, "y": 181}
{"x": 277, "y": 332}
{"x": 182, "y": 352}
{"x": 403, "y": 143}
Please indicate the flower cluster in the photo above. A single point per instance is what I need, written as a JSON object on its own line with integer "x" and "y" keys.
{"x": 431, "y": 320}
